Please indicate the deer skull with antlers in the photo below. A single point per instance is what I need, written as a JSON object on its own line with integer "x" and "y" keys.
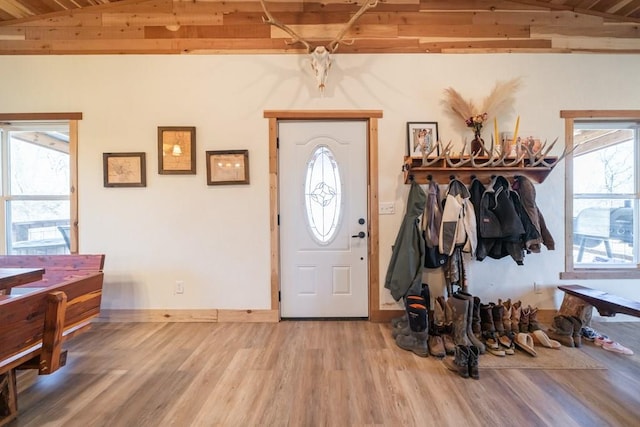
{"x": 320, "y": 56}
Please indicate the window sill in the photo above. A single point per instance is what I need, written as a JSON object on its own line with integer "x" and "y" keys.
{"x": 600, "y": 274}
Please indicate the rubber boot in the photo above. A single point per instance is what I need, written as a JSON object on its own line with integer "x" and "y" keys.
{"x": 403, "y": 327}
{"x": 460, "y": 311}
{"x": 474, "y": 354}
{"x": 472, "y": 338}
{"x": 460, "y": 362}
{"x": 398, "y": 320}
{"x": 416, "y": 341}
{"x": 534, "y": 325}
{"x": 562, "y": 330}
{"x": 442, "y": 315}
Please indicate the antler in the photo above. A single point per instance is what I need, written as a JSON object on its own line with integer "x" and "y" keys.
{"x": 295, "y": 36}
{"x": 426, "y": 161}
{"x": 333, "y": 45}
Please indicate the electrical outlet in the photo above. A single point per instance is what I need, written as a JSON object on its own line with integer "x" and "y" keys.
{"x": 179, "y": 289}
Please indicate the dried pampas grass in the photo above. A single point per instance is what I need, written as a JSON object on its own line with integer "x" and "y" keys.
{"x": 497, "y": 103}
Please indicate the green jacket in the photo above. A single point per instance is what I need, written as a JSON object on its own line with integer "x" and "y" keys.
{"x": 407, "y": 256}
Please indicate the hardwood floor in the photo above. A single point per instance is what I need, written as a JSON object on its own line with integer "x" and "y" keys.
{"x": 311, "y": 373}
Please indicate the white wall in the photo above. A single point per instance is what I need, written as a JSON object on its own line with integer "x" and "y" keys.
{"x": 216, "y": 239}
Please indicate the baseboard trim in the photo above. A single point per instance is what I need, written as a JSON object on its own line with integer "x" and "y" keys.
{"x": 200, "y": 316}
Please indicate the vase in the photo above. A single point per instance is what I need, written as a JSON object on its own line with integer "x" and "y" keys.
{"x": 477, "y": 145}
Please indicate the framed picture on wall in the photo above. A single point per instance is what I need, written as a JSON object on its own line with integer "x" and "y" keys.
{"x": 124, "y": 169}
{"x": 176, "y": 150}
{"x": 227, "y": 167}
{"x": 422, "y": 138}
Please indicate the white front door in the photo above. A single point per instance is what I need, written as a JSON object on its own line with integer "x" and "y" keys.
{"x": 322, "y": 167}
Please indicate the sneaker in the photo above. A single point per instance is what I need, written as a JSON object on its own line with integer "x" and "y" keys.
{"x": 589, "y": 333}
{"x": 616, "y": 348}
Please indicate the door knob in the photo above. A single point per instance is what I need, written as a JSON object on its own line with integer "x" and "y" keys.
{"x": 361, "y": 235}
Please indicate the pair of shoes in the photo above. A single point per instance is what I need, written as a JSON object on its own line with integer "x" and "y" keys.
{"x": 525, "y": 342}
{"x": 543, "y": 339}
{"x": 464, "y": 362}
{"x": 615, "y": 347}
{"x": 589, "y": 333}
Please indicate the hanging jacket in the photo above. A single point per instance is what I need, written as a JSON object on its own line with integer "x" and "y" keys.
{"x": 525, "y": 188}
{"x": 404, "y": 273}
{"x": 458, "y": 226}
{"x": 500, "y": 227}
{"x": 431, "y": 223}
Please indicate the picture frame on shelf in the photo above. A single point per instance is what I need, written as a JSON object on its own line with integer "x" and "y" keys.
{"x": 422, "y": 137}
{"x": 124, "y": 169}
{"x": 227, "y": 167}
{"x": 176, "y": 150}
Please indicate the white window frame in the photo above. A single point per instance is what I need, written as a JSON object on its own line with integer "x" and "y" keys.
{"x": 582, "y": 273}
{"x": 72, "y": 119}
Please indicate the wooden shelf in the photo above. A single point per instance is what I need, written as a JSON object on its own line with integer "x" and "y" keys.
{"x": 442, "y": 171}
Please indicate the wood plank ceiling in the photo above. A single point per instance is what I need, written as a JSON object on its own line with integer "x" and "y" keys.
{"x": 29, "y": 27}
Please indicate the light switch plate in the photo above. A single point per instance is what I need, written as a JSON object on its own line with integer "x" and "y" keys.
{"x": 387, "y": 208}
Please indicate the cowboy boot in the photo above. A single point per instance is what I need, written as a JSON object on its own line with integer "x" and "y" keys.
{"x": 562, "y": 330}
{"x": 534, "y": 325}
{"x": 506, "y": 315}
{"x": 516, "y": 310}
{"x": 577, "y": 330}
{"x": 416, "y": 341}
{"x": 460, "y": 362}
{"x": 470, "y": 335}
{"x": 475, "y": 324}
{"x": 474, "y": 353}
{"x": 488, "y": 328}
{"x": 460, "y": 311}
{"x": 524, "y": 319}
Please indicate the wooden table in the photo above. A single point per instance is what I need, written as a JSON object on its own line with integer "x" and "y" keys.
{"x": 10, "y": 277}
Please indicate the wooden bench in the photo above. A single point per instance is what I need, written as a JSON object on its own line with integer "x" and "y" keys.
{"x": 606, "y": 304}
{"x": 38, "y": 317}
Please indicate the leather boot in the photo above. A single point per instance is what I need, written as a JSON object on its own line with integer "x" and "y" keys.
{"x": 460, "y": 311}
{"x": 506, "y": 315}
{"x": 470, "y": 313}
{"x": 436, "y": 346}
{"x": 488, "y": 328}
{"x": 524, "y": 319}
{"x": 534, "y": 325}
{"x": 475, "y": 324}
{"x": 498, "y": 314}
{"x": 516, "y": 309}
{"x": 460, "y": 362}
{"x": 577, "y": 331}
{"x": 474, "y": 353}
{"x": 562, "y": 330}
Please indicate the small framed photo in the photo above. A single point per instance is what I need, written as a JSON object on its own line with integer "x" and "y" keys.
{"x": 422, "y": 138}
{"x": 227, "y": 167}
{"x": 176, "y": 150}
{"x": 124, "y": 169}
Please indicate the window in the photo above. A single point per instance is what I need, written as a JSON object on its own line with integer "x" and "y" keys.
{"x": 602, "y": 195}
{"x": 37, "y": 168}
{"x": 323, "y": 195}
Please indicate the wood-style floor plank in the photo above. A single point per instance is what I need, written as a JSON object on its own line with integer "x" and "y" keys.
{"x": 311, "y": 373}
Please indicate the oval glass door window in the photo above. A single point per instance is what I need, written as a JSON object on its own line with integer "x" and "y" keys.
{"x": 323, "y": 194}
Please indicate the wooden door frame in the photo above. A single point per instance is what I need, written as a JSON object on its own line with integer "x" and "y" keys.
{"x": 371, "y": 116}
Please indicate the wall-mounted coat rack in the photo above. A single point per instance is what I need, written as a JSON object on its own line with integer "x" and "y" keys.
{"x": 442, "y": 170}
